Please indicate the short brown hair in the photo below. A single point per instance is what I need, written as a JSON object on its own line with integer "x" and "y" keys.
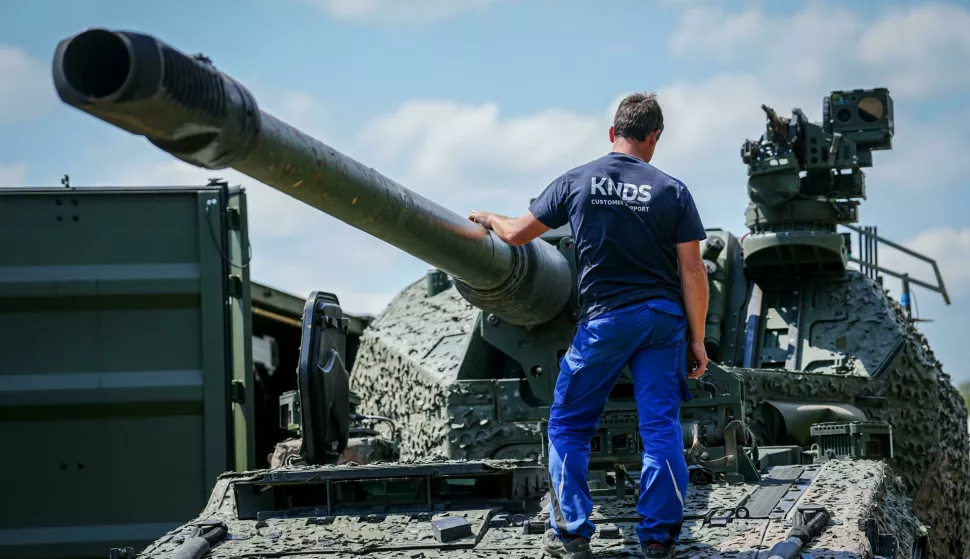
{"x": 639, "y": 114}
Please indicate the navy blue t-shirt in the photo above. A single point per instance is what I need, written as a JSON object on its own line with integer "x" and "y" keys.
{"x": 626, "y": 216}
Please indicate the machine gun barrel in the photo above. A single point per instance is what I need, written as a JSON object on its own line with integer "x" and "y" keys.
{"x": 191, "y": 110}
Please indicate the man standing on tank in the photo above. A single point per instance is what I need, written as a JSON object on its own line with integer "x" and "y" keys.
{"x": 643, "y": 303}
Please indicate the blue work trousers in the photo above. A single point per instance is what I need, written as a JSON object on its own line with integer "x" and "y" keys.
{"x": 652, "y": 338}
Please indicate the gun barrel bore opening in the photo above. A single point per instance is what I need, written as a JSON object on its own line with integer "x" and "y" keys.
{"x": 97, "y": 63}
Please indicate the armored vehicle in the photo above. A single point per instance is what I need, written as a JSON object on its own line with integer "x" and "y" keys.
{"x": 823, "y": 424}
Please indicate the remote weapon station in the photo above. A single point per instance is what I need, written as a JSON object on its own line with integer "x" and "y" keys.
{"x": 824, "y": 424}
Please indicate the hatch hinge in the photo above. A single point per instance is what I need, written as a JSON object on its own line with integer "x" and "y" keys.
{"x": 235, "y": 287}
{"x": 233, "y": 219}
{"x": 237, "y": 391}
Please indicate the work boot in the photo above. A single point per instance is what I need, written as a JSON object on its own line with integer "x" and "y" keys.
{"x": 654, "y": 550}
{"x": 570, "y": 547}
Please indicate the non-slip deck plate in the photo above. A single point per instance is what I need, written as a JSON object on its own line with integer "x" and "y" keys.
{"x": 779, "y": 490}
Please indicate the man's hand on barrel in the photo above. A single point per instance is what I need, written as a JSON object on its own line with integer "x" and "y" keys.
{"x": 481, "y": 217}
{"x": 514, "y": 231}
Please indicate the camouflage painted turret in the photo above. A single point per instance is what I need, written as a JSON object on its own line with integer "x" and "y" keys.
{"x": 822, "y": 399}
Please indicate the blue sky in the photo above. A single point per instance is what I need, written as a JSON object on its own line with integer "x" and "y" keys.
{"x": 480, "y": 103}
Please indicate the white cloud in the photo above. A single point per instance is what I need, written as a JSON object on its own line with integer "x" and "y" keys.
{"x": 735, "y": 36}
{"x": 948, "y": 246}
{"x": 13, "y": 174}
{"x": 793, "y": 60}
{"x": 474, "y": 155}
{"x": 935, "y": 150}
{"x": 25, "y": 86}
{"x": 274, "y": 215}
{"x": 915, "y": 50}
{"x": 465, "y": 154}
{"x": 299, "y": 108}
{"x": 295, "y": 247}
{"x": 399, "y": 11}
{"x": 926, "y": 48}
{"x": 470, "y": 156}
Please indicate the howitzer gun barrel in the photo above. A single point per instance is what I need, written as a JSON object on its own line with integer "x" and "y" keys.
{"x": 189, "y": 109}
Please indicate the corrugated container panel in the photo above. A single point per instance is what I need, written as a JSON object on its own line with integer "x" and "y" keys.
{"x": 116, "y": 354}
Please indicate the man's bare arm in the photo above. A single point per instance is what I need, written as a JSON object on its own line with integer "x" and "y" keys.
{"x": 693, "y": 277}
{"x": 514, "y": 231}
